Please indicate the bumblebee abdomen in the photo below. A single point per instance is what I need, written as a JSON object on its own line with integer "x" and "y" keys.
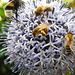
{"x": 9, "y": 8}
{"x": 68, "y": 50}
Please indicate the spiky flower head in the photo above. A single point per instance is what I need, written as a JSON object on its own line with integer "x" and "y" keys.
{"x": 44, "y": 54}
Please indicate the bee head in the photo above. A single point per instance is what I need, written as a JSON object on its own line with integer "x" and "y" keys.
{"x": 35, "y": 30}
{"x": 39, "y": 10}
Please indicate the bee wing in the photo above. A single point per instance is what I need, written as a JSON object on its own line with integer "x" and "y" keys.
{"x": 7, "y": 4}
{"x": 71, "y": 47}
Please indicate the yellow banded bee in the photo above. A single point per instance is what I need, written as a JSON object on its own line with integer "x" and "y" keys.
{"x": 41, "y": 9}
{"x": 69, "y": 42}
{"x": 40, "y": 29}
{"x": 12, "y": 7}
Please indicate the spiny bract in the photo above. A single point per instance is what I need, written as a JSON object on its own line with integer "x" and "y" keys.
{"x": 44, "y": 55}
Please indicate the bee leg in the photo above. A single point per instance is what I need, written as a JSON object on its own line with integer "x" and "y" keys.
{"x": 16, "y": 13}
{"x": 15, "y": 19}
{"x": 43, "y": 32}
{"x": 36, "y": 35}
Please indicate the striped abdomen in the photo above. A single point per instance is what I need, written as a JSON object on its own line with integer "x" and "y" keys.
{"x": 68, "y": 49}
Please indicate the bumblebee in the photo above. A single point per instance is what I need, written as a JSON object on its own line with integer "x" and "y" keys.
{"x": 40, "y": 29}
{"x": 41, "y": 9}
{"x": 69, "y": 43}
{"x": 12, "y": 7}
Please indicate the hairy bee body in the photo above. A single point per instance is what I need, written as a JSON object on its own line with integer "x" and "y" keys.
{"x": 12, "y": 7}
{"x": 40, "y": 29}
{"x": 69, "y": 43}
{"x": 41, "y": 9}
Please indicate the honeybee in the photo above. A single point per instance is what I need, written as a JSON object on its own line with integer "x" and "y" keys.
{"x": 69, "y": 43}
{"x": 41, "y": 9}
{"x": 40, "y": 29}
{"x": 12, "y": 7}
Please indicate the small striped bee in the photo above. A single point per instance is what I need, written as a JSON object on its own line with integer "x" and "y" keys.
{"x": 12, "y": 7}
{"x": 40, "y": 29}
{"x": 69, "y": 43}
{"x": 41, "y": 9}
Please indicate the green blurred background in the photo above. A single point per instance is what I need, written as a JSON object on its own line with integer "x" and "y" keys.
{"x": 5, "y": 69}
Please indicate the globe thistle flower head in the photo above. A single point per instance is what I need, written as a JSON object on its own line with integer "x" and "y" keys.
{"x": 35, "y": 44}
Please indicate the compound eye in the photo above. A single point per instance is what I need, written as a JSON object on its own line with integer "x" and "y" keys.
{"x": 40, "y": 9}
{"x": 36, "y": 30}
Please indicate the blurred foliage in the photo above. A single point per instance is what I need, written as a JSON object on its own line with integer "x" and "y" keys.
{"x": 69, "y": 73}
{"x": 71, "y": 3}
{"x": 4, "y": 69}
{"x": 2, "y": 17}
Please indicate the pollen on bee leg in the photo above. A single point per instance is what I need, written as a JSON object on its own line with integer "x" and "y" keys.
{"x": 43, "y": 32}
